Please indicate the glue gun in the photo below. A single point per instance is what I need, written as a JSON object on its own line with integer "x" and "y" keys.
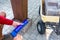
{"x": 18, "y": 28}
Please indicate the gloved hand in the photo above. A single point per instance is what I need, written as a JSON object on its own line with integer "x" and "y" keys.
{"x": 18, "y": 37}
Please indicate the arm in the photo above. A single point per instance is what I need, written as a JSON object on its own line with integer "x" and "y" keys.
{"x": 3, "y": 20}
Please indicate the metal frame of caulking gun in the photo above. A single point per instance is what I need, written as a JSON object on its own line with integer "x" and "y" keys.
{"x": 18, "y": 28}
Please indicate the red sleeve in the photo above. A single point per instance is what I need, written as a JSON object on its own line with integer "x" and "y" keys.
{"x": 3, "y": 20}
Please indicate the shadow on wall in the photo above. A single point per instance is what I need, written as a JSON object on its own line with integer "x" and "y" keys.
{"x": 8, "y": 37}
